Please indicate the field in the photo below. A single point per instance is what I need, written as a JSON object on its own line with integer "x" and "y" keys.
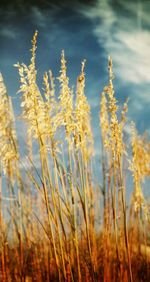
{"x": 58, "y": 223}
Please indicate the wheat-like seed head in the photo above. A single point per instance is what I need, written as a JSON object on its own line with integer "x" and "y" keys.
{"x": 51, "y": 105}
{"x": 114, "y": 142}
{"x": 141, "y": 155}
{"x": 65, "y": 116}
{"x": 140, "y": 166}
{"x": 104, "y": 122}
{"x": 83, "y": 134}
{"x": 49, "y": 88}
{"x": 33, "y": 52}
{"x": 36, "y": 111}
{"x": 8, "y": 140}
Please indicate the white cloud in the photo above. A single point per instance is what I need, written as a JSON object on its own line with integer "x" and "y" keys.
{"x": 131, "y": 56}
{"x": 38, "y": 17}
{"x": 8, "y": 32}
{"x": 124, "y": 38}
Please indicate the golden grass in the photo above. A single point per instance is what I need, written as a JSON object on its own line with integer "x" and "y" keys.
{"x": 60, "y": 224}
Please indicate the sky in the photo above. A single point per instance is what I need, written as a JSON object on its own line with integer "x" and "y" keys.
{"x": 90, "y": 30}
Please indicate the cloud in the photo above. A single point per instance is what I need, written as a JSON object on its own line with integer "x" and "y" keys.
{"x": 38, "y": 16}
{"x": 130, "y": 52}
{"x": 8, "y": 32}
{"x": 125, "y": 36}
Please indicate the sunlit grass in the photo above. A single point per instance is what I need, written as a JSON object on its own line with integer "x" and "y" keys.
{"x": 61, "y": 225}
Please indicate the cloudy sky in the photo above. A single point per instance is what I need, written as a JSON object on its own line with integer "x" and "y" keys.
{"x": 89, "y": 30}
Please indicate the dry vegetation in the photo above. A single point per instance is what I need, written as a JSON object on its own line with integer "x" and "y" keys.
{"x": 59, "y": 224}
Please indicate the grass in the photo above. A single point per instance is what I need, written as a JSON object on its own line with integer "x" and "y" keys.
{"x": 59, "y": 223}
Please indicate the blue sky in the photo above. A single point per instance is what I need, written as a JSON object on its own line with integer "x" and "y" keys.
{"x": 89, "y": 30}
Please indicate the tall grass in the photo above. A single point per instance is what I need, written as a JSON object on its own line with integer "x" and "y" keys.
{"x": 59, "y": 224}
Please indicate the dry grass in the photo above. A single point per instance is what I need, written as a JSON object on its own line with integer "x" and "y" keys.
{"x": 59, "y": 224}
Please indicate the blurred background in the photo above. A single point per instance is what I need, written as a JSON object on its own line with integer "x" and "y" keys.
{"x": 90, "y": 30}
